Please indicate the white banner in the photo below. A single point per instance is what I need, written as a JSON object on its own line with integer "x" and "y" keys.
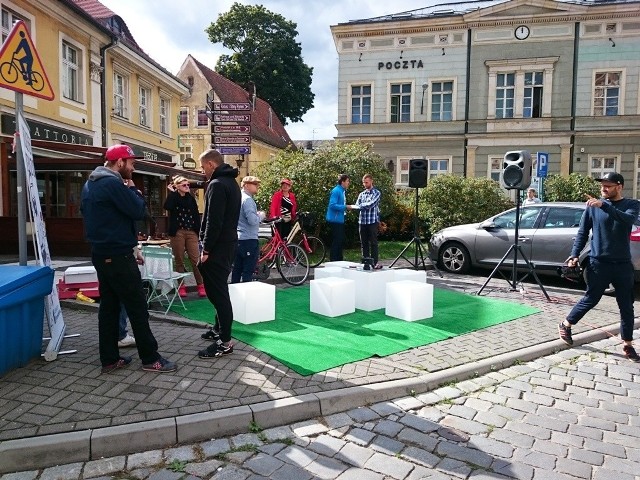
{"x": 41, "y": 245}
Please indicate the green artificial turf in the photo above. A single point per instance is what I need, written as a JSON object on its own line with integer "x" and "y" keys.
{"x": 309, "y": 343}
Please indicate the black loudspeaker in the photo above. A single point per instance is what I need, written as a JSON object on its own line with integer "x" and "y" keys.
{"x": 516, "y": 170}
{"x": 417, "y": 173}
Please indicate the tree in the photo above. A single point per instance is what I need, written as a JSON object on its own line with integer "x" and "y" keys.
{"x": 315, "y": 174}
{"x": 267, "y": 54}
{"x": 570, "y": 189}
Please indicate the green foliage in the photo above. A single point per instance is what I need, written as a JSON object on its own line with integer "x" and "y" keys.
{"x": 315, "y": 174}
{"x": 177, "y": 465}
{"x": 267, "y": 54}
{"x": 452, "y": 200}
{"x": 573, "y": 188}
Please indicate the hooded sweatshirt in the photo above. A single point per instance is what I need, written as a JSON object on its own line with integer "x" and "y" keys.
{"x": 110, "y": 210}
{"x": 221, "y": 208}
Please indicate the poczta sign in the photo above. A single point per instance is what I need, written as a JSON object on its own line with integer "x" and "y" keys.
{"x": 400, "y": 65}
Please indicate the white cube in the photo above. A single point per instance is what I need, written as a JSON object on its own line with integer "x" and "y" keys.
{"x": 327, "y": 272}
{"x": 253, "y": 302}
{"x": 341, "y": 264}
{"x": 409, "y": 300}
{"x": 371, "y": 287}
{"x": 406, "y": 274}
{"x": 80, "y": 275}
{"x": 332, "y": 296}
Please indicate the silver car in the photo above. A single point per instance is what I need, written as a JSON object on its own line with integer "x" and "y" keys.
{"x": 546, "y": 234}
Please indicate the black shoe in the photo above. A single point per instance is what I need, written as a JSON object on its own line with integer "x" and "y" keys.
{"x": 122, "y": 362}
{"x": 565, "y": 334}
{"x": 162, "y": 365}
{"x": 217, "y": 349}
{"x": 630, "y": 353}
{"x": 211, "y": 334}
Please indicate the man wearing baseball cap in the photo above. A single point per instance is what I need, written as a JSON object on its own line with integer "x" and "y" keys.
{"x": 610, "y": 219}
{"x": 111, "y": 204}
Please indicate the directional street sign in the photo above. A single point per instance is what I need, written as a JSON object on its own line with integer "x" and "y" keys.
{"x": 234, "y": 150}
{"x": 21, "y": 69}
{"x": 230, "y": 117}
{"x": 232, "y": 129}
{"x": 238, "y": 107}
{"x": 229, "y": 140}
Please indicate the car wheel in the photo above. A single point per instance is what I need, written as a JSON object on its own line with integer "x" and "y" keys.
{"x": 454, "y": 258}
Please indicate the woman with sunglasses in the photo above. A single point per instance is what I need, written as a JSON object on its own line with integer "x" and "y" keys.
{"x": 184, "y": 228}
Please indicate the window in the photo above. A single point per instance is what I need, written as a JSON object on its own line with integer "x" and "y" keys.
{"x": 528, "y": 217}
{"x": 164, "y": 114}
{"x": 495, "y": 168}
{"x": 71, "y": 70}
{"x": 533, "y": 82}
{"x": 505, "y": 90}
{"x": 403, "y": 170}
{"x": 561, "y": 217}
{"x": 400, "y": 102}
{"x": 361, "y": 104}
{"x": 9, "y": 17}
{"x": 144, "y": 97}
{"x": 438, "y": 166}
{"x": 606, "y": 93}
{"x": 599, "y": 166}
{"x": 183, "y": 118}
{"x": 186, "y": 151}
{"x": 120, "y": 94}
{"x": 442, "y": 101}
{"x": 203, "y": 119}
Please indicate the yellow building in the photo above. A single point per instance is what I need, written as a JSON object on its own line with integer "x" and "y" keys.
{"x": 107, "y": 91}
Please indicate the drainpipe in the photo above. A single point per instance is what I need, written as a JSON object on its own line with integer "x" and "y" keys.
{"x": 466, "y": 106}
{"x": 103, "y": 88}
{"x": 574, "y": 88}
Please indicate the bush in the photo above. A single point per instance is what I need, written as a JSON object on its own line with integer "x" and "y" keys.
{"x": 573, "y": 188}
{"x": 452, "y": 200}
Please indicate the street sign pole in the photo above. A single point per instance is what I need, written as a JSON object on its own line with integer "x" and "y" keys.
{"x": 21, "y": 188}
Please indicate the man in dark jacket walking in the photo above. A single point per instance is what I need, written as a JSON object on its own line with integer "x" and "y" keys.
{"x": 111, "y": 204}
{"x": 219, "y": 237}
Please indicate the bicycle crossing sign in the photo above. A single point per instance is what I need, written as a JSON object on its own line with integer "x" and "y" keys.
{"x": 20, "y": 67}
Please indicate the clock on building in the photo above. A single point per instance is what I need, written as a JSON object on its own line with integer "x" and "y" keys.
{"x": 522, "y": 32}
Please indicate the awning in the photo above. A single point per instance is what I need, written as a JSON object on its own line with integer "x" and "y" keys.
{"x": 168, "y": 169}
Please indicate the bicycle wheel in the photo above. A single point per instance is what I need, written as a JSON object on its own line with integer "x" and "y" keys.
{"x": 37, "y": 82}
{"x": 316, "y": 251}
{"x": 9, "y": 72}
{"x": 293, "y": 264}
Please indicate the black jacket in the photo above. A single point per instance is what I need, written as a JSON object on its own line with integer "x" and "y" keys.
{"x": 221, "y": 208}
{"x": 174, "y": 200}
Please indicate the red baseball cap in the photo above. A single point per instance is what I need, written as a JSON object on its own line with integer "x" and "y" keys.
{"x": 118, "y": 152}
{"x": 285, "y": 180}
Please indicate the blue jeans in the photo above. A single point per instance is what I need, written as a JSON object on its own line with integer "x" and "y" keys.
{"x": 599, "y": 276}
{"x": 245, "y": 261}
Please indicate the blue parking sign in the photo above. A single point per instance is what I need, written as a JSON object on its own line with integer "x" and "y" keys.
{"x": 543, "y": 164}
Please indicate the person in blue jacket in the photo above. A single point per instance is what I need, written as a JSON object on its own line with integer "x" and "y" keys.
{"x": 610, "y": 220}
{"x": 336, "y": 212}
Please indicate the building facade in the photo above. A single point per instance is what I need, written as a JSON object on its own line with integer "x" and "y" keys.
{"x": 107, "y": 91}
{"x": 459, "y": 85}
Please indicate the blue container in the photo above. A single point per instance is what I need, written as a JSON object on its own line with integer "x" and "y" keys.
{"x": 22, "y": 292}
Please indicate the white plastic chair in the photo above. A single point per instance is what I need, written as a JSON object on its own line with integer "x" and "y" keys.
{"x": 163, "y": 281}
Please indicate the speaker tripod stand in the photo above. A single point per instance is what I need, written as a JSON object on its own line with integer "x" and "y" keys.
{"x": 516, "y": 249}
{"x": 417, "y": 243}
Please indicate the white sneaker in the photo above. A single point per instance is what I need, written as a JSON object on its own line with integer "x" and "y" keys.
{"x": 127, "y": 341}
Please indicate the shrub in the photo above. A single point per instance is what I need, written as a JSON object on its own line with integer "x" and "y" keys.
{"x": 573, "y": 188}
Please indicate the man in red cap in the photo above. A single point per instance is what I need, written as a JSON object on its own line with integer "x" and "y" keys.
{"x": 111, "y": 204}
{"x": 610, "y": 219}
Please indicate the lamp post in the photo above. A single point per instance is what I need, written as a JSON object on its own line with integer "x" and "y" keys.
{"x": 424, "y": 89}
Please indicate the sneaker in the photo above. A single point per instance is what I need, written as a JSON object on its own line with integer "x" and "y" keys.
{"x": 201, "y": 291}
{"x": 217, "y": 349}
{"x": 122, "y": 362}
{"x": 630, "y": 353}
{"x": 565, "y": 334}
{"x": 127, "y": 341}
{"x": 182, "y": 291}
{"x": 162, "y": 365}
{"x": 210, "y": 334}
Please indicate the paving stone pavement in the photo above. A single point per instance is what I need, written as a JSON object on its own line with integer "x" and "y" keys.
{"x": 571, "y": 415}
{"x": 69, "y": 397}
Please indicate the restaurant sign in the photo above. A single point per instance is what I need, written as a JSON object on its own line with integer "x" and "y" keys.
{"x": 44, "y": 131}
{"x": 150, "y": 154}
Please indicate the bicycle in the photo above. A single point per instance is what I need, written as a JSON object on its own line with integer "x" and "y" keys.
{"x": 313, "y": 246}
{"x": 290, "y": 259}
{"x": 10, "y": 71}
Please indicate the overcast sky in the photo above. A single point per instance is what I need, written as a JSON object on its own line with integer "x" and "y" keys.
{"x": 169, "y": 30}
